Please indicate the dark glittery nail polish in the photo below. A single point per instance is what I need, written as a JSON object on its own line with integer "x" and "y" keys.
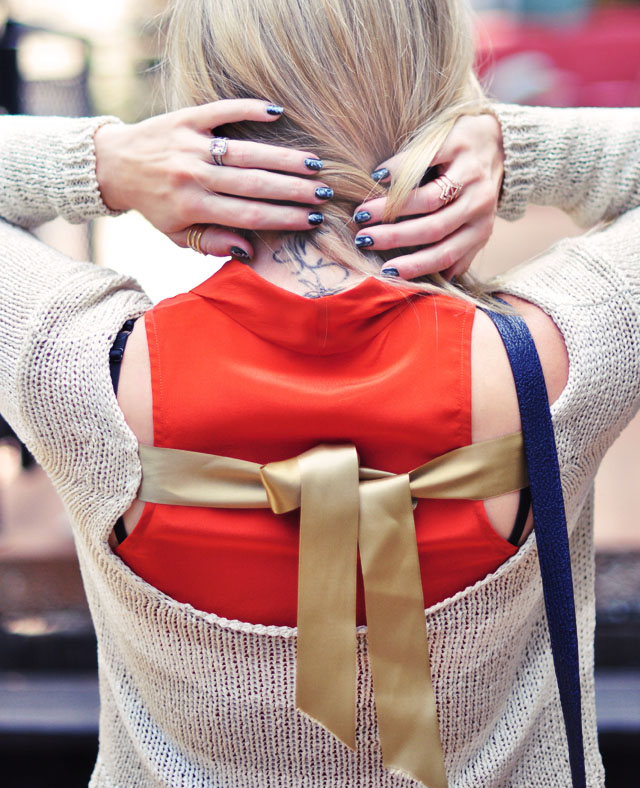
{"x": 236, "y": 251}
{"x": 316, "y": 218}
{"x": 390, "y": 272}
{"x": 361, "y": 217}
{"x": 381, "y": 174}
{"x": 275, "y": 109}
{"x": 362, "y": 241}
{"x": 313, "y": 164}
{"x": 324, "y": 193}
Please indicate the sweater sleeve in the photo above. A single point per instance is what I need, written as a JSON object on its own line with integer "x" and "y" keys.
{"x": 584, "y": 161}
{"x": 48, "y": 169}
{"x": 51, "y": 305}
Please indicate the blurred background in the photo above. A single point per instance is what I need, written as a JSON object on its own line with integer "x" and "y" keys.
{"x": 80, "y": 57}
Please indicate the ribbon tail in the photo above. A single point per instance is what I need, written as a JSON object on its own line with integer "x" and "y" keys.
{"x": 398, "y": 648}
{"x": 326, "y": 657}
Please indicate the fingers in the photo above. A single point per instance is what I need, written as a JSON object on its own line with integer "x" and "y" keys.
{"x": 219, "y": 113}
{"x": 424, "y": 200}
{"x": 414, "y": 232}
{"x": 249, "y": 214}
{"x": 451, "y": 254}
{"x": 216, "y": 241}
{"x": 263, "y": 185}
{"x": 259, "y": 156}
{"x": 433, "y": 219}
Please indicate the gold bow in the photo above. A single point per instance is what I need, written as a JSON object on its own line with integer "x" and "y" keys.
{"x": 342, "y": 508}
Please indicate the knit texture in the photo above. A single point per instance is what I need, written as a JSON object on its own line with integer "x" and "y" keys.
{"x": 190, "y": 700}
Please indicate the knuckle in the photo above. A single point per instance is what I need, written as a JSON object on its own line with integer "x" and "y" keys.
{"x": 241, "y": 155}
{"x": 474, "y": 172}
{"x": 433, "y": 231}
{"x": 251, "y": 183}
{"x": 291, "y": 160}
{"x": 413, "y": 269}
{"x": 253, "y": 218}
{"x": 487, "y": 197}
{"x": 446, "y": 259}
{"x": 391, "y": 239}
{"x": 486, "y": 227}
{"x": 185, "y": 212}
{"x": 179, "y": 175}
{"x": 301, "y": 191}
{"x": 296, "y": 220}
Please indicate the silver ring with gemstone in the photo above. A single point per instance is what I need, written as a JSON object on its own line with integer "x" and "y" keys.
{"x": 218, "y": 147}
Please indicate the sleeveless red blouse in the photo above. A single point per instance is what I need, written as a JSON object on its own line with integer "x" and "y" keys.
{"x": 243, "y": 368}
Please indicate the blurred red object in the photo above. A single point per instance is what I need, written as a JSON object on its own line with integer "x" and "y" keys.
{"x": 591, "y": 62}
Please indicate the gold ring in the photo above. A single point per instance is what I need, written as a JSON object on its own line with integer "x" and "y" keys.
{"x": 194, "y": 235}
{"x": 450, "y": 189}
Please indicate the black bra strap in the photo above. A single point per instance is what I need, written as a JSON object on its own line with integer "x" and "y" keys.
{"x": 524, "y": 505}
{"x": 550, "y": 527}
{"x": 116, "y": 355}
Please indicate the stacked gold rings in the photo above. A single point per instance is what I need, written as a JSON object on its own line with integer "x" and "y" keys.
{"x": 194, "y": 236}
{"x": 450, "y": 189}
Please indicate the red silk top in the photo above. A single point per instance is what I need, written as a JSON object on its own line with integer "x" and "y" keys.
{"x": 243, "y": 368}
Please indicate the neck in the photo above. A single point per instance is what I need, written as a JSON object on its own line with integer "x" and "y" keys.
{"x": 301, "y": 268}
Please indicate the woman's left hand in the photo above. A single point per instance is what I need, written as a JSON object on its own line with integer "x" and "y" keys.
{"x": 450, "y": 234}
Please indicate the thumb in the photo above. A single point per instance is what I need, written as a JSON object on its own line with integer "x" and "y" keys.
{"x": 212, "y": 240}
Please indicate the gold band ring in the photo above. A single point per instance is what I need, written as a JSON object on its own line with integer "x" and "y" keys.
{"x": 194, "y": 236}
{"x": 450, "y": 189}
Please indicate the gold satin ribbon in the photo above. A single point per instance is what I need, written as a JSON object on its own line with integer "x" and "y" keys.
{"x": 342, "y": 508}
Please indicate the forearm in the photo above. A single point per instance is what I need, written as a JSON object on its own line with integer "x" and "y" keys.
{"x": 584, "y": 161}
{"x": 48, "y": 169}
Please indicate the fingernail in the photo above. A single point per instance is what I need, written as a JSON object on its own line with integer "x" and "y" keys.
{"x": 314, "y": 164}
{"x": 361, "y": 217}
{"x": 275, "y": 109}
{"x": 363, "y": 241}
{"x": 381, "y": 174}
{"x": 324, "y": 193}
{"x": 390, "y": 272}
{"x": 315, "y": 218}
{"x": 236, "y": 251}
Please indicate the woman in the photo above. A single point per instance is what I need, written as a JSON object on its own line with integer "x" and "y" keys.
{"x": 189, "y": 697}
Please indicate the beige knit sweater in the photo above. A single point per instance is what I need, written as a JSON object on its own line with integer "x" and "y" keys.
{"x": 190, "y": 700}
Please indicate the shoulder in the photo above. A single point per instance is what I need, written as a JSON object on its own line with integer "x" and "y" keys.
{"x": 134, "y": 389}
{"x": 494, "y": 403}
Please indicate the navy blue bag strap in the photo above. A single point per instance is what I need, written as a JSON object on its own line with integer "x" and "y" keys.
{"x": 550, "y": 526}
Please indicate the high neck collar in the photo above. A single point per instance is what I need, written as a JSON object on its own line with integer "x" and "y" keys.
{"x": 321, "y": 326}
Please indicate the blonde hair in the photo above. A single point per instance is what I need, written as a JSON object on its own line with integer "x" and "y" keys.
{"x": 360, "y": 80}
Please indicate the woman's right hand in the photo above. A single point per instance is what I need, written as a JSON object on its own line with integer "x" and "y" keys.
{"x": 162, "y": 167}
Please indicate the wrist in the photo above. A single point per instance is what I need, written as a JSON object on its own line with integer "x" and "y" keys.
{"x": 108, "y": 142}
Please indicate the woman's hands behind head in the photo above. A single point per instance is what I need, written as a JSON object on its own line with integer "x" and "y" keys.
{"x": 163, "y": 167}
{"x": 450, "y": 234}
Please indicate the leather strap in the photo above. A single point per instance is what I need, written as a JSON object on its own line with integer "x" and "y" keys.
{"x": 550, "y": 526}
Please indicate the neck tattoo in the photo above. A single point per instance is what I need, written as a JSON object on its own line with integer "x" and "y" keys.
{"x": 313, "y": 276}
